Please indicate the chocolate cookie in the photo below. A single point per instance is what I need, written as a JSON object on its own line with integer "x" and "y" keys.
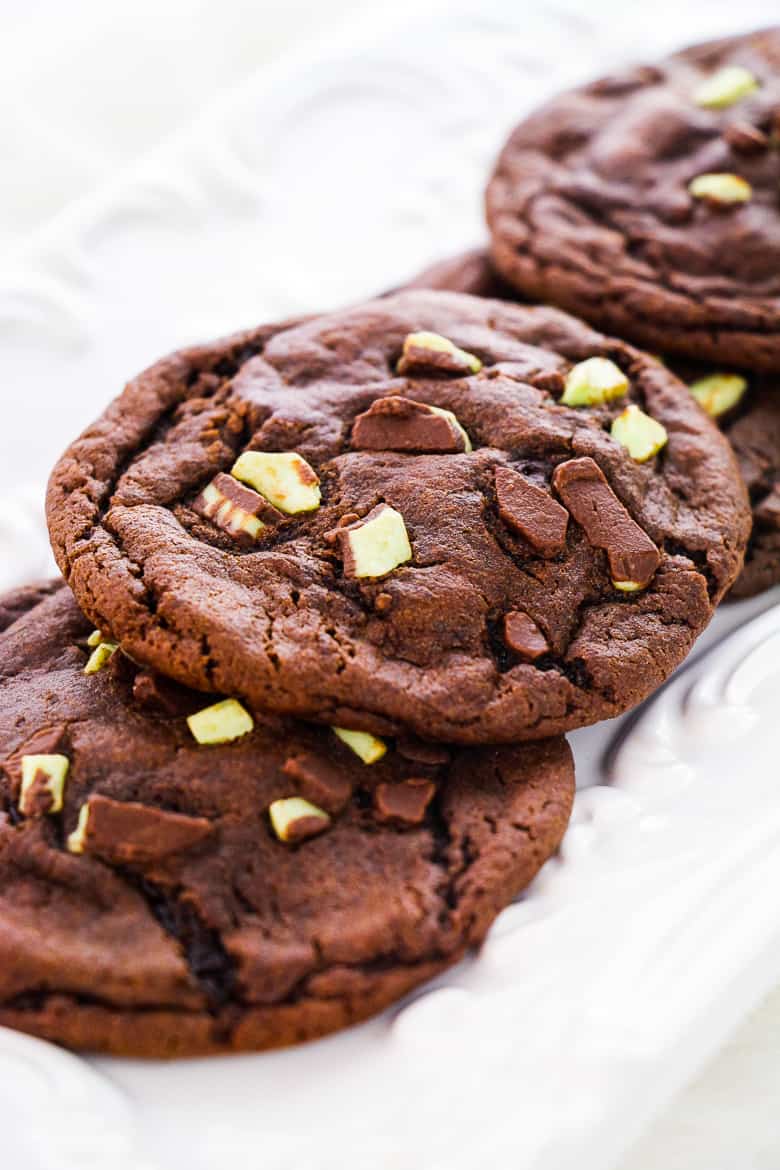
{"x": 15, "y": 604}
{"x": 747, "y": 408}
{"x": 481, "y": 522}
{"x": 648, "y": 203}
{"x": 467, "y": 272}
{"x": 164, "y": 892}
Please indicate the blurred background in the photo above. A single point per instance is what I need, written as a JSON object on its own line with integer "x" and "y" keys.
{"x": 90, "y": 87}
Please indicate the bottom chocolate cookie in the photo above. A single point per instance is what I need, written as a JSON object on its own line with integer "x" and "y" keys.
{"x": 179, "y": 877}
{"x": 747, "y": 407}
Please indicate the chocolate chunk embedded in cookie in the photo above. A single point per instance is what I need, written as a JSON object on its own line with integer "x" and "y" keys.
{"x": 648, "y": 203}
{"x": 377, "y": 600}
{"x": 180, "y": 897}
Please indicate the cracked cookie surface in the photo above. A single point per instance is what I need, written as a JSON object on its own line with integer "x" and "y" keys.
{"x": 382, "y": 602}
{"x": 591, "y": 207}
{"x": 180, "y": 922}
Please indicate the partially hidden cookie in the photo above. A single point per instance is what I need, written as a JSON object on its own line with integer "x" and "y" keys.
{"x": 471, "y": 272}
{"x": 746, "y": 407}
{"x": 181, "y": 877}
{"x": 480, "y": 522}
{"x": 647, "y": 202}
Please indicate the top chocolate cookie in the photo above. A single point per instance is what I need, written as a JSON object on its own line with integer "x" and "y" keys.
{"x": 483, "y": 522}
{"x": 649, "y": 202}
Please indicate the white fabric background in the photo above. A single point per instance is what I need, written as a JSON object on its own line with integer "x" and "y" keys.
{"x": 85, "y": 87}
{"x": 88, "y": 85}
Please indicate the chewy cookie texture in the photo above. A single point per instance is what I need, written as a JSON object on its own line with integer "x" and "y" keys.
{"x": 183, "y": 876}
{"x": 745, "y": 406}
{"x": 443, "y": 457}
{"x": 647, "y": 202}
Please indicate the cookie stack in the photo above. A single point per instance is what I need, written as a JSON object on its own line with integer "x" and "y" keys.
{"x": 288, "y": 735}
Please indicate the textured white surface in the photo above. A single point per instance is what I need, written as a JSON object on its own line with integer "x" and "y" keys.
{"x": 728, "y": 1118}
{"x": 637, "y": 951}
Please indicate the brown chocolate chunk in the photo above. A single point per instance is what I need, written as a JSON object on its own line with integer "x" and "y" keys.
{"x": 427, "y": 352}
{"x": 127, "y": 833}
{"x": 246, "y": 498}
{"x": 522, "y": 635}
{"x": 38, "y": 800}
{"x": 745, "y": 139}
{"x": 320, "y": 781}
{"x": 45, "y": 742}
{"x": 582, "y": 486}
{"x": 235, "y": 508}
{"x": 531, "y": 511}
{"x": 420, "y": 752}
{"x": 404, "y": 804}
{"x": 304, "y": 828}
{"x": 401, "y": 424}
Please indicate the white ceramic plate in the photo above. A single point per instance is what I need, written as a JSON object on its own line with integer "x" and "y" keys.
{"x": 637, "y": 950}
